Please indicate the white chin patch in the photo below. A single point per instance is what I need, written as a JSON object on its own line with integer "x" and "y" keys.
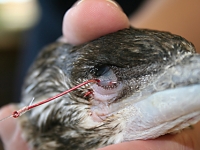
{"x": 161, "y": 113}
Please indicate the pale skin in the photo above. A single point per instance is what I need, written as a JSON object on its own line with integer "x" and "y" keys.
{"x": 81, "y": 24}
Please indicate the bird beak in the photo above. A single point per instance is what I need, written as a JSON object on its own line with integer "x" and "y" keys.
{"x": 169, "y": 110}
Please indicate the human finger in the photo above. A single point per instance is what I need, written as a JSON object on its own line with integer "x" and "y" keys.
{"x": 90, "y": 19}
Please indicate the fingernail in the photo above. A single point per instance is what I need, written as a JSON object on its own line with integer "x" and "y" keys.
{"x": 110, "y": 1}
{"x": 77, "y": 3}
{"x": 114, "y": 2}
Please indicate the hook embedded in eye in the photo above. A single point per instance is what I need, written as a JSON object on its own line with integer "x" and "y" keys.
{"x": 105, "y": 75}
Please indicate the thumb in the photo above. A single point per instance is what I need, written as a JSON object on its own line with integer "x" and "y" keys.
{"x": 89, "y": 19}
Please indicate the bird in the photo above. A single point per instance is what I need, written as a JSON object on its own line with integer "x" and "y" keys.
{"x": 149, "y": 83}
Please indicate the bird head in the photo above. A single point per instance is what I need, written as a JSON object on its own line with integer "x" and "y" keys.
{"x": 149, "y": 83}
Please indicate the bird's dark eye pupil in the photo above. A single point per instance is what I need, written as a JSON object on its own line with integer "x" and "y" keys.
{"x": 100, "y": 70}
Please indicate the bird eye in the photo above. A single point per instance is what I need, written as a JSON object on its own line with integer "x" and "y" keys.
{"x": 100, "y": 70}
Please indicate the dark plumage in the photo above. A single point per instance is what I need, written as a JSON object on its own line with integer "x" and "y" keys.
{"x": 133, "y": 65}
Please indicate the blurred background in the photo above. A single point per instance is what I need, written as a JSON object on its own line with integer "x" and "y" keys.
{"x": 16, "y": 17}
{"x": 25, "y": 29}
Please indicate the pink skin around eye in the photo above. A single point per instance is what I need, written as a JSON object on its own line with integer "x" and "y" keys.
{"x": 102, "y": 97}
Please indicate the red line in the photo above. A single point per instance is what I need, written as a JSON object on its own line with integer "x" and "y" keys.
{"x": 61, "y": 94}
{"x": 19, "y": 112}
